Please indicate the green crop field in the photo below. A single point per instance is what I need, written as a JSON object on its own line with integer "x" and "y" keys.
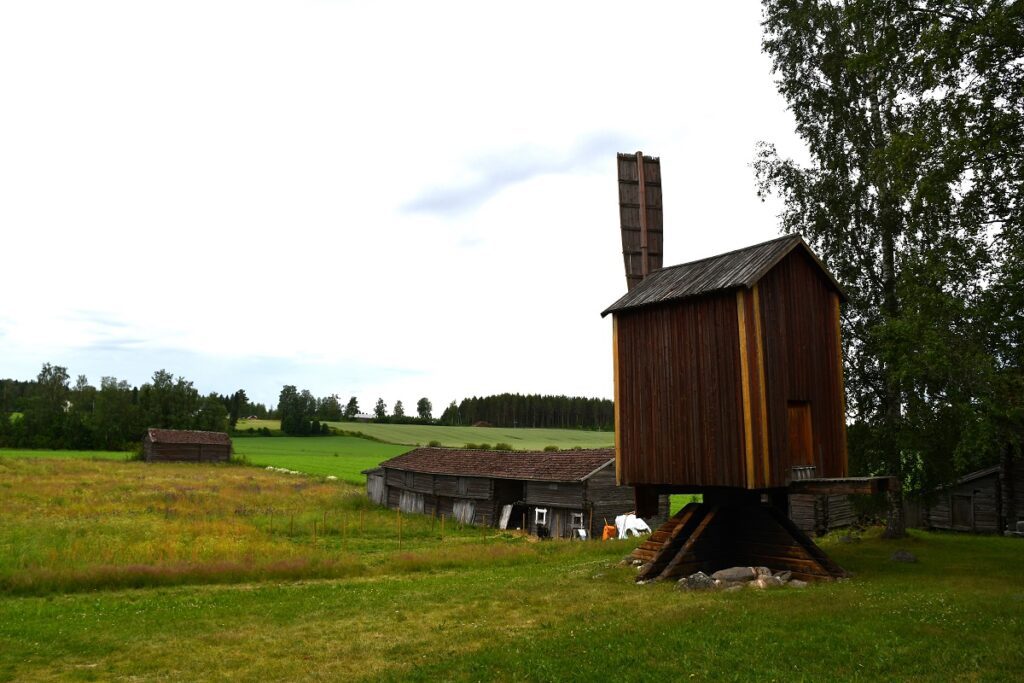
{"x": 342, "y": 456}
{"x": 413, "y": 435}
{"x": 123, "y": 570}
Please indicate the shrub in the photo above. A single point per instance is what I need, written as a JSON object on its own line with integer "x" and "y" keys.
{"x": 484, "y": 446}
{"x": 502, "y": 446}
{"x": 434, "y": 444}
{"x": 551, "y": 449}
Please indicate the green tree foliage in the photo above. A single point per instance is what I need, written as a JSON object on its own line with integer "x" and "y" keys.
{"x": 58, "y": 415}
{"x": 116, "y": 417}
{"x": 351, "y": 408}
{"x": 399, "y": 411}
{"x": 380, "y": 411}
{"x": 424, "y": 409}
{"x": 450, "y": 416}
{"x": 911, "y": 113}
{"x": 301, "y": 413}
{"x": 237, "y": 405}
{"x": 533, "y": 410}
{"x": 45, "y": 418}
{"x": 329, "y": 408}
{"x": 168, "y": 402}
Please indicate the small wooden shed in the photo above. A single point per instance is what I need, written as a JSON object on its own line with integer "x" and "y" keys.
{"x": 191, "y": 446}
{"x": 986, "y": 501}
{"x": 551, "y": 493}
{"x": 728, "y": 372}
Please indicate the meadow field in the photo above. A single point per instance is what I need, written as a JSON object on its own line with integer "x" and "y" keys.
{"x": 117, "y": 570}
{"x": 342, "y": 456}
{"x": 422, "y": 435}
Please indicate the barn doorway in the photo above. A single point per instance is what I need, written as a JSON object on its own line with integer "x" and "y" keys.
{"x": 801, "y": 441}
{"x": 963, "y": 511}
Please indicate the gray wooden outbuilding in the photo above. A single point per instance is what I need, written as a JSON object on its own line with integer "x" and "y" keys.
{"x": 549, "y": 494}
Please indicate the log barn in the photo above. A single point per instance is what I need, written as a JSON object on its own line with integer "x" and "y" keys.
{"x": 192, "y": 446}
{"x": 819, "y": 514}
{"x": 986, "y": 501}
{"x": 554, "y": 494}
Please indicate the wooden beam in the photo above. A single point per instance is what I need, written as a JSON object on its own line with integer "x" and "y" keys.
{"x": 762, "y": 392}
{"x": 841, "y": 385}
{"x": 748, "y": 431}
{"x": 617, "y": 396}
{"x": 845, "y": 486}
{"x": 642, "y": 189}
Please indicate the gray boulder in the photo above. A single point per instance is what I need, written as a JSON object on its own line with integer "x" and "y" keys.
{"x": 903, "y": 556}
{"x": 735, "y": 574}
{"x": 797, "y": 583}
{"x": 763, "y": 582}
{"x": 696, "y": 582}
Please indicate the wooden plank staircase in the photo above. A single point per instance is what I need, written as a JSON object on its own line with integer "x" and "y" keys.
{"x": 707, "y": 537}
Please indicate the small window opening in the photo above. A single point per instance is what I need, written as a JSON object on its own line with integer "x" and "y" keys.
{"x": 540, "y": 516}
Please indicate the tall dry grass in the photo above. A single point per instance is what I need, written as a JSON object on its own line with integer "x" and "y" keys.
{"x": 77, "y": 525}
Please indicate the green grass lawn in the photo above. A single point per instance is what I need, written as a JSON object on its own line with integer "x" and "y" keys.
{"x": 127, "y": 570}
{"x": 413, "y": 435}
{"x": 342, "y": 456}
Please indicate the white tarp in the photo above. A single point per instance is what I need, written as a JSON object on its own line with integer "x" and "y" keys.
{"x": 627, "y": 524}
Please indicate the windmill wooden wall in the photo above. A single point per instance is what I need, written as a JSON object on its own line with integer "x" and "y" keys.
{"x": 706, "y": 386}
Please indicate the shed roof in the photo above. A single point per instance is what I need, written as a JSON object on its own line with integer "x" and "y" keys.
{"x": 536, "y": 466}
{"x": 189, "y": 437}
{"x": 979, "y": 474}
{"x": 734, "y": 269}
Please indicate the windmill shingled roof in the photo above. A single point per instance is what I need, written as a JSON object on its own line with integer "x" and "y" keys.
{"x": 557, "y": 466}
{"x": 740, "y": 268}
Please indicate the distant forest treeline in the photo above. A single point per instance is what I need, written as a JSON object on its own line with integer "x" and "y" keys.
{"x": 533, "y": 410}
{"x": 54, "y": 413}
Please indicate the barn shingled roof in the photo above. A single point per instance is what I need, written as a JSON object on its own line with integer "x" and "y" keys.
{"x": 734, "y": 269}
{"x": 189, "y": 437}
{"x": 557, "y": 466}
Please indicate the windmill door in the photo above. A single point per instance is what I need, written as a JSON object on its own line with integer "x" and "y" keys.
{"x": 801, "y": 448}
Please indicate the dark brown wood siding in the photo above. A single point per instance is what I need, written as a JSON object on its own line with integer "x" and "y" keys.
{"x": 802, "y": 363}
{"x": 187, "y": 452}
{"x": 678, "y": 394}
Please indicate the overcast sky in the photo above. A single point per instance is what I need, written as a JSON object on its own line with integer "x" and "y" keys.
{"x": 380, "y": 199}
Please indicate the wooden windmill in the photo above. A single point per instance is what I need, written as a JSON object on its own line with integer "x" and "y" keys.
{"x": 729, "y": 383}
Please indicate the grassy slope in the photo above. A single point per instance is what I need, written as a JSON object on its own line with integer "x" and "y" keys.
{"x": 519, "y": 439}
{"x": 342, "y": 456}
{"x": 480, "y": 605}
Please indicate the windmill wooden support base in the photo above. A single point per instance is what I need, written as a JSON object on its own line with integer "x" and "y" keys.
{"x": 711, "y": 536}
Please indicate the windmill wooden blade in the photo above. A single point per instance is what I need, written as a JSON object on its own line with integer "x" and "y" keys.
{"x": 640, "y": 215}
